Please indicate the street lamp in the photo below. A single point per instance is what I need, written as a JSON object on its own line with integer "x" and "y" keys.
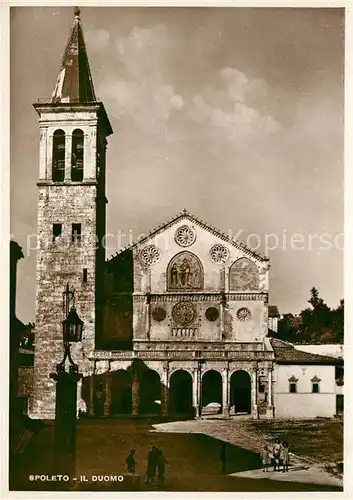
{"x": 66, "y": 391}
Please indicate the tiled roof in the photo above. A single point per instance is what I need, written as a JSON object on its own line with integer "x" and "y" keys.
{"x": 74, "y": 82}
{"x": 273, "y": 312}
{"x": 286, "y": 353}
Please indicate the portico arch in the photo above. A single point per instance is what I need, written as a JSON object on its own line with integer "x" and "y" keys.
{"x": 180, "y": 392}
{"x": 150, "y": 392}
{"x": 211, "y": 388}
{"x": 121, "y": 394}
{"x": 240, "y": 391}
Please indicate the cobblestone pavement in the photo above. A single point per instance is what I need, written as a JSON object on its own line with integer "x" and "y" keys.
{"x": 193, "y": 458}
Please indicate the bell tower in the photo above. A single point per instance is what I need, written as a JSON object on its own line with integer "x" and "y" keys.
{"x": 73, "y": 128}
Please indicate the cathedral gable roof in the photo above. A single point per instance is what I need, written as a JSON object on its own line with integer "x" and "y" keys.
{"x": 186, "y": 215}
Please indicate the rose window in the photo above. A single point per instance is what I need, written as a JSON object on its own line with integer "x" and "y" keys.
{"x": 212, "y": 314}
{"x": 219, "y": 254}
{"x": 184, "y": 313}
{"x": 150, "y": 255}
{"x": 185, "y": 236}
{"x": 243, "y": 314}
{"x": 159, "y": 314}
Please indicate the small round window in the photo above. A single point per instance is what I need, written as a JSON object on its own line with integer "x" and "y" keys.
{"x": 159, "y": 314}
{"x": 212, "y": 314}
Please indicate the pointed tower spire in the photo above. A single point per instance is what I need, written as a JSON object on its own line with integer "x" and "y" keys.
{"x": 74, "y": 82}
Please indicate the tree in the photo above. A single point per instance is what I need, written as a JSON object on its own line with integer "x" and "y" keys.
{"x": 317, "y": 324}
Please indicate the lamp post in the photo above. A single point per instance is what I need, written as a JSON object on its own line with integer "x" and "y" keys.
{"x": 66, "y": 391}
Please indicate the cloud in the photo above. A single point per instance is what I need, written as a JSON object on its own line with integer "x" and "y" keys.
{"x": 225, "y": 105}
{"x": 136, "y": 87}
{"x": 97, "y": 41}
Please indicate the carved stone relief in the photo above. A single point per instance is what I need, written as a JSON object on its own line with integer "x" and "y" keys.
{"x": 150, "y": 255}
{"x": 185, "y": 236}
{"x": 219, "y": 254}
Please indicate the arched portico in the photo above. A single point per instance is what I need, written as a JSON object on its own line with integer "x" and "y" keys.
{"x": 211, "y": 391}
{"x": 121, "y": 392}
{"x": 180, "y": 392}
{"x": 240, "y": 392}
{"x": 150, "y": 393}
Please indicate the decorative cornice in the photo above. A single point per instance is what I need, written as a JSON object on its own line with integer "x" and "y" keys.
{"x": 200, "y": 297}
{"x": 67, "y": 183}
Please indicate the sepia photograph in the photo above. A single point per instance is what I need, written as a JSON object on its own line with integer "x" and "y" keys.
{"x": 176, "y": 249}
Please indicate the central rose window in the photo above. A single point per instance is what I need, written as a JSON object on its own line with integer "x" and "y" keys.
{"x": 184, "y": 313}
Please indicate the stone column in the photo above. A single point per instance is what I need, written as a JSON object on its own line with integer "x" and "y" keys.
{"x": 90, "y": 406}
{"x": 269, "y": 412}
{"x": 108, "y": 394}
{"x": 48, "y": 162}
{"x": 135, "y": 394}
{"x": 195, "y": 392}
{"x": 68, "y": 150}
{"x": 254, "y": 407}
{"x": 225, "y": 393}
{"x": 148, "y": 314}
{"x": 165, "y": 390}
{"x": 43, "y": 170}
{"x": 221, "y": 320}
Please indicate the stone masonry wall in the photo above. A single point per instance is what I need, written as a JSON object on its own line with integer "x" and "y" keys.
{"x": 58, "y": 263}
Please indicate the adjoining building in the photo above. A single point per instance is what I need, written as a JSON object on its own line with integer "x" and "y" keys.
{"x": 175, "y": 324}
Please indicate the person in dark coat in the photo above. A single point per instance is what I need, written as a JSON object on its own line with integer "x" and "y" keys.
{"x": 130, "y": 462}
{"x": 222, "y": 457}
{"x": 161, "y": 461}
{"x": 152, "y": 460}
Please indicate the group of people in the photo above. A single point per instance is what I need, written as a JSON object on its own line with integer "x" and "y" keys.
{"x": 278, "y": 456}
{"x": 155, "y": 465}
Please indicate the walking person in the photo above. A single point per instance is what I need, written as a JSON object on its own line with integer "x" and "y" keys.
{"x": 223, "y": 457}
{"x": 161, "y": 461}
{"x": 152, "y": 460}
{"x": 130, "y": 462}
{"x": 285, "y": 456}
{"x": 276, "y": 450}
{"x": 265, "y": 458}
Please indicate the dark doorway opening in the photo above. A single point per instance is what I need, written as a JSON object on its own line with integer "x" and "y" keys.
{"x": 121, "y": 396}
{"x": 240, "y": 392}
{"x": 211, "y": 392}
{"x": 150, "y": 392}
{"x": 180, "y": 394}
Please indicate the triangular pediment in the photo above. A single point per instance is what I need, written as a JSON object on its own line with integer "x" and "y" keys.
{"x": 189, "y": 218}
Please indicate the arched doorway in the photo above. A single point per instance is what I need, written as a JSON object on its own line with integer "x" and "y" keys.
{"x": 211, "y": 392}
{"x": 121, "y": 393}
{"x": 150, "y": 392}
{"x": 240, "y": 392}
{"x": 180, "y": 392}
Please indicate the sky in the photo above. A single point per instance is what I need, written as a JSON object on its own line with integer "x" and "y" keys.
{"x": 233, "y": 113}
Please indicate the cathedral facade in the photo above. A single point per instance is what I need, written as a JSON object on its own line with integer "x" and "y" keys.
{"x": 175, "y": 324}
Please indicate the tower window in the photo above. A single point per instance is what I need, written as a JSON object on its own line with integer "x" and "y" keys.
{"x": 85, "y": 275}
{"x": 77, "y": 156}
{"x": 58, "y": 163}
{"x": 76, "y": 233}
{"x": 57, "y": 229}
